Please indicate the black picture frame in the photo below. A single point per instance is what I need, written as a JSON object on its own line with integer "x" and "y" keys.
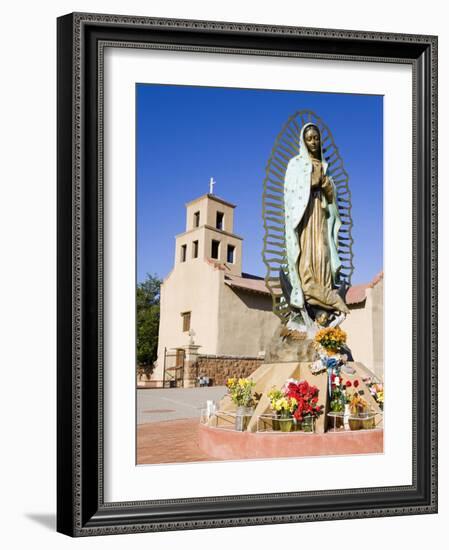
{"x": 81, "y": 510}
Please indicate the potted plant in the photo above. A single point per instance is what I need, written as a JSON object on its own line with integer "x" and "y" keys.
{"x": 283, "y": 407}
{"x": 338, "y": 400}
{"x": 360, "y": 414}
{"x": 241, "y": 393}
{"x": 274, "y": 395}
{"x": 376, "y": 389}
{"x": 307, "y": 408}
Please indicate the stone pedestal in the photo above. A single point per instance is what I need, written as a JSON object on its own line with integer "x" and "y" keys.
{"x": 275, "y": 374}
{"x": 190, "y": 360}
{"x": 289, "y": 346}
{"x": 289, "y": 355}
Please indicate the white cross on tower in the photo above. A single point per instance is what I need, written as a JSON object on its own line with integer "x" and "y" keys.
{"x": 212, "y": 182}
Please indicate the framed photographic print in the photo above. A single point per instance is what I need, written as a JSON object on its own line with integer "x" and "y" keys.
{"x": 247, "y": 271}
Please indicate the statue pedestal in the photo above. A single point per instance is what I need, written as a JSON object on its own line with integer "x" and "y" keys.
{"x": 275, "y": 374}
{"x": 289, "y": 355}
{"x": 288, "y": 346}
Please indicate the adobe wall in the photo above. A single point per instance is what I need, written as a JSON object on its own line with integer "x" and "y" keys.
{"x": 365, "y": 326}
{"x": 246, "y": 322}
{"x": 189, "y": 287}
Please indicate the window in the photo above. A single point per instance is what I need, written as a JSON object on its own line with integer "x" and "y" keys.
{"x": 195, "y": 249}
{"x": 215, "y": 250}
{"x": 185, "y": 321}
{"x": 196, "y": 219}
{"x": 231, "y": 254}
{"x": 183, "y": 252}
{"x": 220, "y": 218}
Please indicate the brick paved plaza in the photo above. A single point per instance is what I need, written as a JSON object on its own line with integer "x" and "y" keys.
{"x": 168, "y": 419}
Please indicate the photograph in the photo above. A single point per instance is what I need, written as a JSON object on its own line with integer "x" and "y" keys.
{"x": 259, "y": 274}
{"x": 247, "y": 328}
{"x": 231, "y": 213}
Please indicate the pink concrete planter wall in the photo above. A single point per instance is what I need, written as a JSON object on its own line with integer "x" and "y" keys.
{"x": 232, "y": 445}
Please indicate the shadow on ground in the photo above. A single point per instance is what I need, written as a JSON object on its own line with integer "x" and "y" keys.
{"x": 47, "y": 520}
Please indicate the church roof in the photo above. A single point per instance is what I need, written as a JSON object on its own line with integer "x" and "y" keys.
{"x": 355, "y": 295}
{"x": 248, "y": 282}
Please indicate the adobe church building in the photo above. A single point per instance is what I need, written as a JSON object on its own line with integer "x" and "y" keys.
{"x": 206, "y": 297}
{"x": 216, "y": 320}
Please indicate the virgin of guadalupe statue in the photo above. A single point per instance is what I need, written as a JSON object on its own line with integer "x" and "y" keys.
{"x": 312, "y": 286}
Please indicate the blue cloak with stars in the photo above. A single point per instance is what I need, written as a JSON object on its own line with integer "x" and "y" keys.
{"x": 297, "y": 186}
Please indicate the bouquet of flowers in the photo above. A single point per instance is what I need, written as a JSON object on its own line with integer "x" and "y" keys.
{"x": 274, "y": 395}
{"x": 330, "y": 339}
{"x": 241, "y": 391}
{"x": 284, "y": 406}
{"x": 360, "y": 413}
{"x": 306, "y": 397}
{"x": 376, "y": 389}
{"x": 338, "y": 393}
{"x": 358, "y": 405}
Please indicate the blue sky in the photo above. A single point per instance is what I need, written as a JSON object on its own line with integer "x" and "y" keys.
{"x": 187, "y": 134}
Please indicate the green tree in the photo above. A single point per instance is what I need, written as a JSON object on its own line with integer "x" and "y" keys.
{"x": 147, "y": 312}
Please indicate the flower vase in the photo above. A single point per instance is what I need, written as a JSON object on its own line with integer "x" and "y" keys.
{"x": 242, "y": 418}
{"x": 337, "y": 421}
{"x": 286, "y": 423}
{"x": 355, "y": 424}
{"x": 308, "y": 424}
{"x": 367, "y": 421}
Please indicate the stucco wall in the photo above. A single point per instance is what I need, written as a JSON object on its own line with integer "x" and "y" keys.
{"x": 377, "y": 300}
{"x": 209, "y": 234}
{"x": 208, "y": 208}
{"x": 204, "y": 235}
{"x": 246, "y": 322}
{"x": 364, "y": 326}
{"x": 192, "y": 287}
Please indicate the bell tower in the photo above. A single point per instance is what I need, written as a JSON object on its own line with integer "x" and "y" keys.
{"x": 209, "y": 234}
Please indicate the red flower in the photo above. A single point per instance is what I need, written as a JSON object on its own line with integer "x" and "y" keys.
{"x": 306, "y": 396}
{"x": 348, "y": 384}
{"x": 356, "y": 383}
